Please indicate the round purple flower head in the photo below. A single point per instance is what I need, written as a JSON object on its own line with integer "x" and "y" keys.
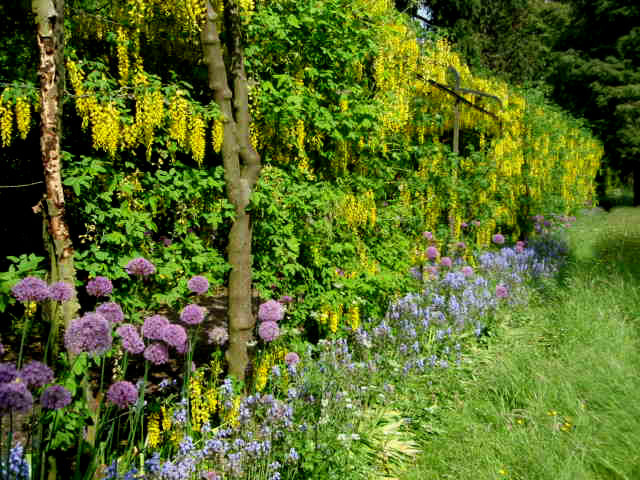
{"x": 152, "y": 327}
{"x": 90, "y": 333}
{"x": 286, "y": 299}
{"x": 131, "y": 340}
{"x": 99, "y": 287}
{"x": 157, "y": 353}
{"x": 218, "y": 335}
{"x": 61, "y": 292}
{"x": 270, "y": 311}
{"x": 446, "y": 262}
{"x": 111, "y": 311}
{"x": 14, "y": 396}
{"x": 467, "y": 271}
{"x": 192, "y": 314}
{"x": 268, "y": 331}
{"x": 175, "y": 336}
{"x": 141, "y": 267}
{"x": 123, "y": 394}
{"x": 427, "y": 235}
{"x": 432, "y": 253}
{"x": 291, "y": 358}
{"x": 519, "y": 246}
{"x": 464, "y": 224}
{"x": 36, "y": 374}
{"x": 31, "y": 289}
{"x": 501, "y": 291}
{"x": 498, "y": 239}
{"x": 8, "y": 372}
{"x": 198, "y": 284}
{"x": 461, "y": 245}
{"x": 55, "y": 397}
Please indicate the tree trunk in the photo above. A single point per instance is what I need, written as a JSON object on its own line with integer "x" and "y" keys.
{"x": 50, "y": 37}
{"x": 242, "y": 169}
{"x": 636, "y": 183}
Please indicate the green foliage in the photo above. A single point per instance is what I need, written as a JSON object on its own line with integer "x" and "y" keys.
{"x": 126, "y": 212}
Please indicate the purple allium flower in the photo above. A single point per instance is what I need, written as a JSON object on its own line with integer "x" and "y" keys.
{"x": 268, "y": 331}
{"x": 286, "y": 299}
{"x": 1, "y": 349}
{"x": 157, "y": 353}
{"x": 270, "y": 311}
{"x": 175, "y": 336}
{"x": 198, "y": 284}
{"x": 141, "y": 267}
{"x": 446, "y": 262}
{"x": 131, "y": 340}
{"x": 461, "y": 245}
{"x": 14, "y": 396}
{"x": 111, "y": 311}
{"x": 152, "y": 327}
{"x": 31, "y": 289}
{"x": 8, "y": 372}
{"x": 55, "y": 397}
{"x": 99, "y": 287}
{"x": 291, "y": 358}
{"x": 464, "y": 224}
{"x": 432, "y": 253}
{"x": 61, "y": 292}
{"x": 166, "y": 241}
{"x": 501, "y": 291}
{"x": 427, "y": 235}
{"x": 90, "y": 333}
{"x": 123, "y": 394}
{"x": 498, "y": 239}
{"x": 546, "y": 223}
{"x": 36, "y": 374}
{"x": 519, "y": 246}
{"x": 467, "y": 271}
{"x": 218, "y": 335}
{"x": 192, "y": 314}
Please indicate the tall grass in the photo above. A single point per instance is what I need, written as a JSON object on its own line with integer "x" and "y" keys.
{"x": 556, "y": 392}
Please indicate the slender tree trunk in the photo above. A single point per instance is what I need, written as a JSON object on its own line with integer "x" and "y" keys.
{"x": 242, "y": 169}
{"x": 636, "y": 183}
{"x": 50, "y": 37}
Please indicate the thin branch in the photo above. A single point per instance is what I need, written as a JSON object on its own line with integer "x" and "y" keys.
{"x": 20, "y": 186}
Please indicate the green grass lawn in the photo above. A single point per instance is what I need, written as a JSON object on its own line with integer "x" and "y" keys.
{"x": 556, "y": 392}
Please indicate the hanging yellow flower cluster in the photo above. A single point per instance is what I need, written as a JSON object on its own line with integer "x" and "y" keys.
{"x": 113, "y": 129}
{"x": 18, "y": 109}
{"x": 6, "y": 123}
{"x": 359, "y": 211}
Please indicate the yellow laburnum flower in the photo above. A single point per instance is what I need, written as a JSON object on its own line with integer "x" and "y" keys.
{"x": 6, "y": 123}
{"x": 153, "y": 430}
{"x": 23, "y": 116}
{"x": 218, "y": 135}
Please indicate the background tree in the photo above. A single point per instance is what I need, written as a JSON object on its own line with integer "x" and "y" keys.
{"x": 596, "y": 74}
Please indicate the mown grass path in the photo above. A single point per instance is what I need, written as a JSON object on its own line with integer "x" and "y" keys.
{"x": 556, "y": 393}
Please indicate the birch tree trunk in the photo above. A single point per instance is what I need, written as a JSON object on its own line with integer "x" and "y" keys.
{"x": 242, "y": 169}
{"x": 49, "y": 15}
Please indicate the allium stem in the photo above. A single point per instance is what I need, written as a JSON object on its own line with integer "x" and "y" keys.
{"x": 25, "y": 329}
